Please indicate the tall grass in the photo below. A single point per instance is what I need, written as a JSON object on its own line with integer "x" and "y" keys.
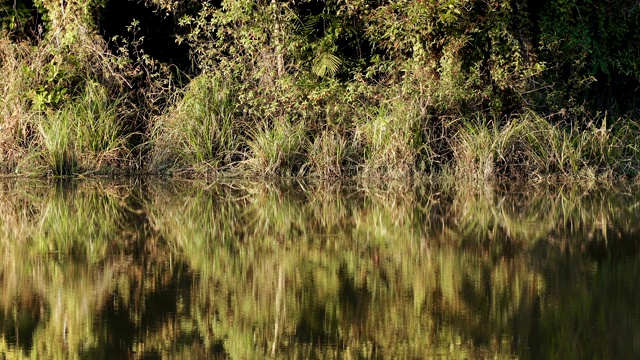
{"x": 387, "y": 138}
{"x": 99, "y": 123}
{"x": 330, "y": 155}
{"x": 40, "y": 133}
{"x": 529, "y": 147}
{"x": 84, "y": 136}
{"x": 58, "y": 154}
{"x": 61, "y": 113}
{"x": 611, "y": 147}
{"x": 200, "y": 132}
{"x": 15, "y": 117}
{"x": 278, "y": 148}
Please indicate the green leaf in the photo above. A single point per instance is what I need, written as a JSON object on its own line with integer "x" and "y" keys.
{"x": 326, "y": 64}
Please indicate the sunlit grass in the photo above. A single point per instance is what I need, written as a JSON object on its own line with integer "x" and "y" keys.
{"x": 277, "y": 147}
{"x": 85, "y": 136}
{"x": 387, "y": 137}
{"x": 529, "y": 147}
{"x": 329, "y": 155}
{"x": 200, "y": 132}
{"x": 47, "y": 129}
{"x": 58, "y": 148}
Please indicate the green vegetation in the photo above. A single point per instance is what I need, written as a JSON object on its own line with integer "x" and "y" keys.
{"x": 199, "y": 133}
{"x": 481, "y": 89}
{"x": 531, "y": 146}
{"x": 85, "y": 135}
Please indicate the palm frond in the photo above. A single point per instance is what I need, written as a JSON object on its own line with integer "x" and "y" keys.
{"x": 326, "y": 64}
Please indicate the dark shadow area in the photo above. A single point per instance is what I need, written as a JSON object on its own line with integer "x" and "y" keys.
{"x": 157, "y": 30}
{"x": 23, "y": 19}
{"x": 18, "y": 328}
{"x": 153, "y": 311}
{"x": 617, "y": 93}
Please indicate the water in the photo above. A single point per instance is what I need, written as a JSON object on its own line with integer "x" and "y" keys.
{"x": 145, "y": 269}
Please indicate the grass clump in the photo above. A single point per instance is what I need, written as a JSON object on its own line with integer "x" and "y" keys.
{"x": 58, "y": 153}
{"x": 523, "y": 148}
{"x": 329, "y": 155}
{"x": 387, "y": 139}
{"x": 278, "y": 148}
{"x": 61, "y": 114}
{"x": 84, "y": 136}
{"x": 529, "y": 147}
{"x": 100, "y": 132}
{"x": 483, "y": 149}
{"x": 610, "y": 149}
{"x": 200, "y": 132}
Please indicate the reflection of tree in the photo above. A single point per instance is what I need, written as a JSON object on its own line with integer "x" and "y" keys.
{"x": 253, "y": 270}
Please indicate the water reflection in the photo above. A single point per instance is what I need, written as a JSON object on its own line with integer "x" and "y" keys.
{"x": 245, "y": 270}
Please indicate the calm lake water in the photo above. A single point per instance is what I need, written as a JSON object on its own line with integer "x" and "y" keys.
{"x": 146, "y": 269}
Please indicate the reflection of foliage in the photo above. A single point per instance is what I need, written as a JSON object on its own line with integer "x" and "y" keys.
{"x": 346, "y": 258}
{"x": 61, "y": 259}
{"x": 246, "y": 270}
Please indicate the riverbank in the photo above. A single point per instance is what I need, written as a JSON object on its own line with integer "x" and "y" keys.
{"x": 201, "y": 136}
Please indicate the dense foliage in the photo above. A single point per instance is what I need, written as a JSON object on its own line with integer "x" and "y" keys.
{"x": 366, "y": 87}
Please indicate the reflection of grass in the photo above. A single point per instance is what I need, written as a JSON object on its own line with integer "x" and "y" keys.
{"x": 61, "y": 246}
{"x": 535, "y": 214}
{"x": 324, "y": 271}
{"x": 346, "y": 255}
{"x": 80, "y": 224}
